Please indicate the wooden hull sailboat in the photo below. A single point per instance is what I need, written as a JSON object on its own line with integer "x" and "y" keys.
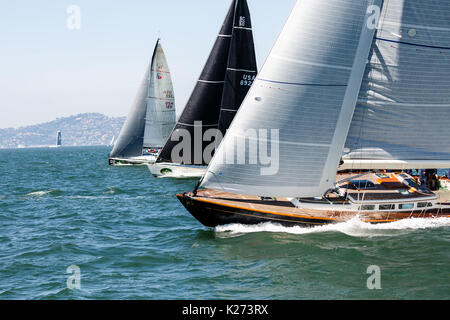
{"x": 373, "y": 198}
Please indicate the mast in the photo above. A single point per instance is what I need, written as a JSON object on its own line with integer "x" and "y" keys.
{"x": 203, "y": 107}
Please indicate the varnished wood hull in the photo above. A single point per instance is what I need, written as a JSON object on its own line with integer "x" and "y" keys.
{"x": 216, "y": 212}
{"x": 213, "y": 215}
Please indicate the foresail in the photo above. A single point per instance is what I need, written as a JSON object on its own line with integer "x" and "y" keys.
{"x": 203, "y": 107}
{"x": 287, "y": 137}
{"x": 131, "y": 137}
{"x": 161, "y": 115}
{"x": 402, "y": 117}
{"x": 241, "y": 68}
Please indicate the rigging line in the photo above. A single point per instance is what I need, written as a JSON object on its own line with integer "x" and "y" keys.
{"x": 413, "y": 44}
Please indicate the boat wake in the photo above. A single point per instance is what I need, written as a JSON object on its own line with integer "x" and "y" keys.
{"x": 354, "y": 227}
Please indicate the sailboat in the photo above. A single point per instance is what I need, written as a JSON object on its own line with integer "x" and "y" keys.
{"x": 224, "y": 82}
{"x": 352, "y": 93}
{"x": 58, "y": 142}
{"x": 58, "y": 139}
{"x": 151, "y": 118}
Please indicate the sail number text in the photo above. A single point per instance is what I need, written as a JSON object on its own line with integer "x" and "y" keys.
{"x": 247, "y": 80}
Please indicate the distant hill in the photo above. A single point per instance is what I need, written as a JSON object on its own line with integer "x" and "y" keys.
{"x": 87, "y": 129}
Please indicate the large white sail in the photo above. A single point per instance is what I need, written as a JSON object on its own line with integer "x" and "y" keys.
{"x": 161, "y": 116}
{"x": 152, "y": 114}
{"x": 131, "y": 136}
{"x": 288, "y": 135}
{"x": 402, "y": 116}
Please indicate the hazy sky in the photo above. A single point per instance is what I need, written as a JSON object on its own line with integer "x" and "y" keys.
{"x": 49, "y": 70}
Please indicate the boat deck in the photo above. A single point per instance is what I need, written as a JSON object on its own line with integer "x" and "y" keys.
{"x": 374, "y": 198}
{"x": 282, "y": 207}
{"x": 381, "y": 187}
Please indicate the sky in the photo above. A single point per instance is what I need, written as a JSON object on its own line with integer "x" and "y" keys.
{"x": 58, "y": 60}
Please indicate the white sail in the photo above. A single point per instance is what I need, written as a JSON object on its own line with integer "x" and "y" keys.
{"x": 153, "y": 110}
{"x": 299, "y": 108}
{"x": 402, "y": 116}
{"x": 160, "y": 117}
{"x": 130, "y": 139}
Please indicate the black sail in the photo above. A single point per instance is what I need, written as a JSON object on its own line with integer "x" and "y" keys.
{"x": 202, "y": 110}
{"x": 241, "y": 69}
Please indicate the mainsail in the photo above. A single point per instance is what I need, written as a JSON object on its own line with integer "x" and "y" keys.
{"x": 403, "y": 111}
{"x": 152, "y": 114}
{"x": 300, "y": 105}
{"x": 218, "y": 92}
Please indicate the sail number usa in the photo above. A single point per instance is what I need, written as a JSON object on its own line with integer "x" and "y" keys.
{"x": 247, "y": 80}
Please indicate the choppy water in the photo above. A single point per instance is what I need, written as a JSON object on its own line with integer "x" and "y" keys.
{"x": 131, "y": 239}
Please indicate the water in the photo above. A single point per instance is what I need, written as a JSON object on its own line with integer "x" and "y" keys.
{"x": 132, "y": 239}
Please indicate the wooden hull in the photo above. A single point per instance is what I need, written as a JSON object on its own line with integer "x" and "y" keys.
{"x": 213, "y": 212}
{"x": 213, "y": 215}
